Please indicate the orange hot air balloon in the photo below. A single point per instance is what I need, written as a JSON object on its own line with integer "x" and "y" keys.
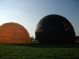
{"x": 13, "y": 33}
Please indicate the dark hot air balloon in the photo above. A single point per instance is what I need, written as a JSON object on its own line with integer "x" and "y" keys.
{"x": 55, "y": 29}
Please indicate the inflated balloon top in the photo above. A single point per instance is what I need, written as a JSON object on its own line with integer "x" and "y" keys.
{"x": 55, "y": 29}
{"x": 13, "y": 33}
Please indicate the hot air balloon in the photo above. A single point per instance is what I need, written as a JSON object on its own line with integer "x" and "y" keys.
{"x": 14, "y": 33}
{"x": 55, "y": 29}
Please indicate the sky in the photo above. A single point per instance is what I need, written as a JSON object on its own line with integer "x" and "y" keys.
{"x": 29, "y": 12}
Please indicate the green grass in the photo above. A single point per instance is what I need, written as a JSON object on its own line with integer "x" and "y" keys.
{"x": 39, "y": 51}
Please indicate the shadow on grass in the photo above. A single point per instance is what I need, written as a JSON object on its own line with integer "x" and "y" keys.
{"x": 39, "y": 45}
{"x": 75, "y": 45}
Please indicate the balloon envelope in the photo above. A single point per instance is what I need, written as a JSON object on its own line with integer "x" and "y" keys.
{"x": 13, "y": 33}
{"x": 55, "y": 29}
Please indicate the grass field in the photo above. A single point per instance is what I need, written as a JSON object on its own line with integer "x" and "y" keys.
{"x": 39, "y": 51}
